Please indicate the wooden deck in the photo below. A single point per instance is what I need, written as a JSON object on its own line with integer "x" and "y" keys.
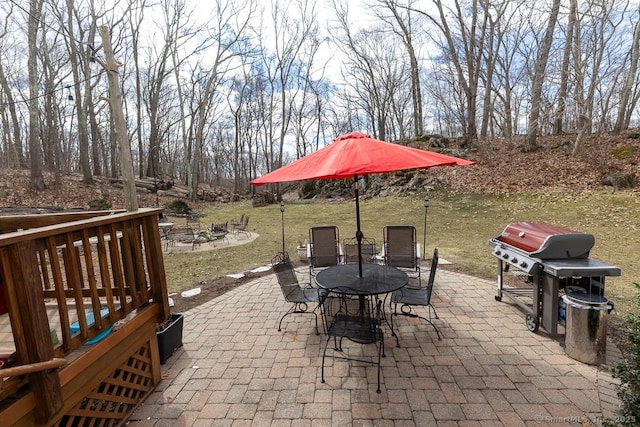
{"x": 67, "y": 280}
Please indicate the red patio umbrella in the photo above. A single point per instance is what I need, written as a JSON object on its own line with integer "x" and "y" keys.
{"x": 356, "y": 154}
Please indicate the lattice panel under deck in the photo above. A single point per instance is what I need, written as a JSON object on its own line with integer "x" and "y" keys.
{"x": 111, "y": 403}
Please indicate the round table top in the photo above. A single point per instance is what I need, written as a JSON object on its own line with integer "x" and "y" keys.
{"x": 376, "y": 279}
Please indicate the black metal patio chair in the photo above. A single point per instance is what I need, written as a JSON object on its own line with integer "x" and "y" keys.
{"x": 301, "y": 295}
{"x": 359, "y": 321}
{"x": 408, "y": 298}
{"x": 243, "y": 227}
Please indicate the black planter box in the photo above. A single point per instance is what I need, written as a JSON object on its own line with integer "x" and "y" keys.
{"x": 170, "y": 338}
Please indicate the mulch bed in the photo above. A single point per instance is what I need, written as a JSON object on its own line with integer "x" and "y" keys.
{"x": 210, "y": 289}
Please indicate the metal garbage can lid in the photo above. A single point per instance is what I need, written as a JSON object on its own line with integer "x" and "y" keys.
{"x": 587, "y": 300}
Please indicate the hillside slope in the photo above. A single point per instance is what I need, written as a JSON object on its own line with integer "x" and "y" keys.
{"x": 502, "y": 167}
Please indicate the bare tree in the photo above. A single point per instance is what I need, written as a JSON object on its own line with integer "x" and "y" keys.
{"x": 508, "y": 66}
{"x": 229, "y": 26}
{"x": 595, "y": 30}
{"x": 403, "y": 26}
{"x": 13, "y": 147}
{"x": 376, "y": 73}
{"x": 135, "y": 19}
{"x": 81, "y": 31}
{"x": 162, "y": 63}
{"x": 622, "y": 119}
{"x": 111, "y": 66}
{"x": 465, "y": 49}
{"x": 538, "y": 78}
{"x": 35, "y": 154}
{"x": 564, "y": 71}
{"x": 52, "y": 60}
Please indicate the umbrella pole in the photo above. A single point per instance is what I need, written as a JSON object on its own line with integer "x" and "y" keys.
{"x": 358, "y": 231}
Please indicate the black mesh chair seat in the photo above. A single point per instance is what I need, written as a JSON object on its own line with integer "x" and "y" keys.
{"x": 356, "y": 328}
{"x": 299, "y": 295}
{"x": 411, "y": 296}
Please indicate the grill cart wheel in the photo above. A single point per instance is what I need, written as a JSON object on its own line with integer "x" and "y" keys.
{"x": 532, "y": 323}
{"x": 498, "y": 298}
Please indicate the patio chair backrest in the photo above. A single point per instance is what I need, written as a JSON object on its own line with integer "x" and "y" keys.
{"x": 238, "y": 222}
{"x": 400, "y": 246}
{"x": 367, "y": 247}
{"x": 432, "y": 273}
{"x": 286, "y": 274}
{"x": 193, "y": 221}
{"x": 220, "y": 228}
{"x": 325, "y": 245}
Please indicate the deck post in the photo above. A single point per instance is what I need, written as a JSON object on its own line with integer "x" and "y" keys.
{"x": 35, "y": 327}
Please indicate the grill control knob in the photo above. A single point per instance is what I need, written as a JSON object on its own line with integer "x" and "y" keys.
{"x": 523, "y": 264}
{"x": 514, "y": 260}
{"x": 505, "y": 256}
{"x": 497, "y": 252}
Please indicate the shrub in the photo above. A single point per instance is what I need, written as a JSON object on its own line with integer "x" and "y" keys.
{"x": 179, "y": 207}
{"x": 628, "y": 371}
{"x": 99, "y": 204}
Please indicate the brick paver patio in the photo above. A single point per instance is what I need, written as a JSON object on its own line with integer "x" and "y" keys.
{"x": 236, "y": 369}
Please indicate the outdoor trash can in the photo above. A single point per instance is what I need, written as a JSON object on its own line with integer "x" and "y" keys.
{"x": 586, "y": 327}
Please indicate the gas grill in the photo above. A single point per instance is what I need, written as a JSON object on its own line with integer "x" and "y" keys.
{"x": 550, "y": 259}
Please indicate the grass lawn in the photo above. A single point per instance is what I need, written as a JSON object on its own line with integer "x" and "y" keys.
{"x": 459, "y": 224}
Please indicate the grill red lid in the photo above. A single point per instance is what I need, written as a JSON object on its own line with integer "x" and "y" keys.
{"x": 547, "y": 241}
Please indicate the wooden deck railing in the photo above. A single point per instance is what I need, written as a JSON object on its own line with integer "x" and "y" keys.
{"x": 68, "y": 283}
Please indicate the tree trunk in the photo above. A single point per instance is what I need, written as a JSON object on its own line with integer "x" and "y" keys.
{"x": 83, "y": 131}
{"x": 35, "y": 155}
{"x": 488, "y": 89}
{"x": 621, "y": 121}
{"x": 416, "y": 91}
{"x": 564, "y": 72}
{"x": 120, "y": 124}
{"x": 16, "y": 158}
{"x": 538, "y": 78}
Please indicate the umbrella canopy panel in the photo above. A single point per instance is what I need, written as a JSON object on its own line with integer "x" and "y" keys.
{"x": 357, "y": 154}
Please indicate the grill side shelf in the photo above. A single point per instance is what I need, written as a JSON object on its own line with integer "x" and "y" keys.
{"x": 579, "y": 267}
